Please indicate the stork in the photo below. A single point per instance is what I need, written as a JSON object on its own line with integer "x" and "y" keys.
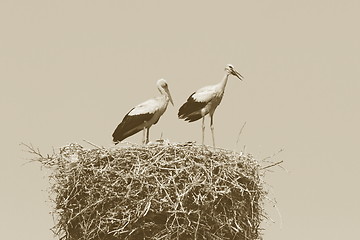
{"x": 144, "y": 115}
{"x": 205, "y": 100}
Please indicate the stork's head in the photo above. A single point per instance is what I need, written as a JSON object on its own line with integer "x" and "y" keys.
{"x": 164, "y": 89}
{"x": 230, "y": 70}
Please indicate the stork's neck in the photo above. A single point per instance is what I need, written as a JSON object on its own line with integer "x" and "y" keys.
{"x": 223, "y": 82}
{"x": 164, "y": 93}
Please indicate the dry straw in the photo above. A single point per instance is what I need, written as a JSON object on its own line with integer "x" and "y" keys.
{"x": 157, "y": 191}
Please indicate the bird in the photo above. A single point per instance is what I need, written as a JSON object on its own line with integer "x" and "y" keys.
{"x": 144, "y": 115}
{"x": 205, "y": 100}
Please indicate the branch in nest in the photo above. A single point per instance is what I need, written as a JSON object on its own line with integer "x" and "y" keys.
{"x": 31, "y": 149}
{"x": 272, "y": 165}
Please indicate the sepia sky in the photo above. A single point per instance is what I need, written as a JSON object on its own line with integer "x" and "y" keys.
{"x": 70, "y": 70}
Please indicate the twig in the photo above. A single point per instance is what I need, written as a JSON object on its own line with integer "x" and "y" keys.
{"x": 280, "y": 216}
{"x": 32, "y": 150}
{"x": 238, "y": 138}
{"x": 92, "y": 144}
{"x": 272, "y": 165}
{"x": 268, "y": 157}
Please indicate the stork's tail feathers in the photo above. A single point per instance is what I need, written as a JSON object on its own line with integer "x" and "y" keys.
{"x": 189, "y": 113}
{"x": 119, "y": 134}
{"x": 130, "y": 125}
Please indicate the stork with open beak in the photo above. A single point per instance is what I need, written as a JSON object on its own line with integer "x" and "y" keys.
{"x": 205, "y": 100}
{"x": 144, "y": 115}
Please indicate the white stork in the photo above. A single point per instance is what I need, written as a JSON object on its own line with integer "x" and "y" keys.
{"x": 205, "y": 100}
{"x": 144, "y": 115}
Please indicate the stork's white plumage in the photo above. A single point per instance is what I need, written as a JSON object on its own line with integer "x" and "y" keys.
{"x": 205, "y": 100}
{"x": 144, "y": 115}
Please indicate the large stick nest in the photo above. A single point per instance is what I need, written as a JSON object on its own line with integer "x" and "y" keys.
{"x": 159, "y": 191}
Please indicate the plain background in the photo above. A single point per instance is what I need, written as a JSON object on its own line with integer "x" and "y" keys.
{"x": 70, "y": 70}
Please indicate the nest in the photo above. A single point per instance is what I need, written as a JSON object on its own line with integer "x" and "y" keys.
{"x": 159, "y": 191}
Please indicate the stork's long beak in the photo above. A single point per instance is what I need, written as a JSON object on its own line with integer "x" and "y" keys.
{"x": 170, "y": 98}
{"x": 237, "y": 74}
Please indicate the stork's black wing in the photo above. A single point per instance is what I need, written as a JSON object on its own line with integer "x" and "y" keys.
{"x": 130, "y": 125}
{"x": 191, "y": 110}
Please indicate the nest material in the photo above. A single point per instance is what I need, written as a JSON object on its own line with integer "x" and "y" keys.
{"x": 160, "y": 191}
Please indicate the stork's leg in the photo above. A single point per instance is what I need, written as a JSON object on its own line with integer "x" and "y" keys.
{"x": 147, "y": 135}
{"x": 144, "y": 136}
{"x": 212, "y": 129}
{"x": 203, "y": 130}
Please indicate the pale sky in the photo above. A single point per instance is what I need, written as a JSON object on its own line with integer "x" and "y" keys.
{"x": 70, "y": 70}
